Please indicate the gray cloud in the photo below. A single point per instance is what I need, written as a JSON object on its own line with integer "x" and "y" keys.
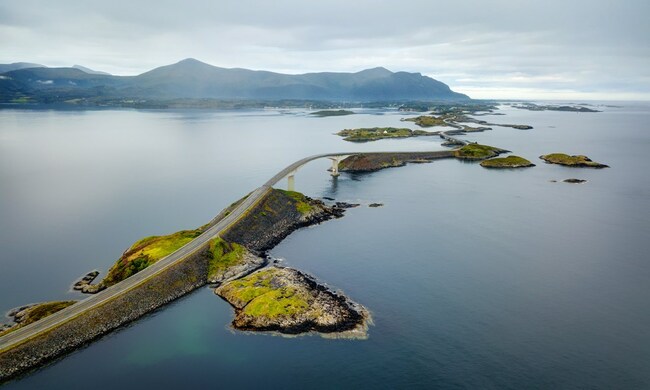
{"x": 504, "y": 48}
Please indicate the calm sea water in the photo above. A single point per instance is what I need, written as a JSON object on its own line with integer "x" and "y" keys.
{"x": 475, "y": 278}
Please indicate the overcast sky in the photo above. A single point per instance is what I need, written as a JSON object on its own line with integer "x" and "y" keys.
{"x": 555, "y": 49}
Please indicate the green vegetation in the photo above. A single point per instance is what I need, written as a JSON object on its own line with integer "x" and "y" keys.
{"x": 146, "y": 252}
{"x": 302, "y": 202}
{"x": 325, "y": 113}
{"x": 507, "y": 162}
{"x": 223, "y": 256}
{"x": 37, "y": 312}
{"x": 20, "y": 100}
{"x": 250, "y": 287}
{"x": 428, "y": 121}
{"x": 571, "y": 161}
{"x": 285, "y": 301}
{"x": 262, "y": 295}
{"x": 477, "y": 152}
{"x": 377, "y": 133}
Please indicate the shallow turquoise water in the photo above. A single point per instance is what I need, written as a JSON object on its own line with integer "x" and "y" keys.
{"x": 475, "y": 278}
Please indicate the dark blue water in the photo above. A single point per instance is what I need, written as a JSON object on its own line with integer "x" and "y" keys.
{"x": 475, "y": 278}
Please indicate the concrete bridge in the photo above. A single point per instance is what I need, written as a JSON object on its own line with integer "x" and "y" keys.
{"x": 169, "y": 278}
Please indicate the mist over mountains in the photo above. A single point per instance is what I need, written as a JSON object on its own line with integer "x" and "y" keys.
{"x": 192, "y": 79}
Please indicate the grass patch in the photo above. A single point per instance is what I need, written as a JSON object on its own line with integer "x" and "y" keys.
{"x": 302, "y": 203}
{"x": 146, "y": 252}
{"x": 285, "y": 302}
{"x": 251, "y": 287}
{"x": 477, "y": 152}
{"x": 507, "y": 162}
{"x": 224, "y": 255}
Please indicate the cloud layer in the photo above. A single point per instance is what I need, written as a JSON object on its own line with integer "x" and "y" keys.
{"x": 498, "y": 49}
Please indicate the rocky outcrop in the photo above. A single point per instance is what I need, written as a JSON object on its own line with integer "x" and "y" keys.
{"x": 288, "y": 301}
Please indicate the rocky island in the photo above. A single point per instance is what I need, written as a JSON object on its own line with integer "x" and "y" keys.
{"x": 377, "y": 133}
{"x": 368, "y": 162}
{"x": 288, "y": 301}
{"x": 507, "y": 162}
{"x": 325, "y": 113}
{"x": 571, "y": 161}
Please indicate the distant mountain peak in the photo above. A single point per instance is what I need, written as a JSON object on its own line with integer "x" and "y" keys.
{"x": 379, "y": 71}
{"x": 90, "y": 71}
{"x": 193, "y": 79}
{"x": 191, "y": 61}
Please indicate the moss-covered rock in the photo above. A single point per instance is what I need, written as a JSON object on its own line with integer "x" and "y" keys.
{"x": 288, "y": 301}
{"x": 477, "y": 152}
{"x": 571, "y": 161}
{"x": 507, "y": 162}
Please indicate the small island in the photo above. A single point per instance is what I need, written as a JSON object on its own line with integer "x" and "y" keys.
{"x": 507, "y": 162}
{"x": 377, "y": 133}
{"x": 571, "y": 161}
{"x": 478, "y": 152}
{"x": 537, "y": 107}
{"x": 288, "y": 301}
{"x": 325, "y": 113}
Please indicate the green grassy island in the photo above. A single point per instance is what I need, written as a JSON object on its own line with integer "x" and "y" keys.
{"x": 377, "y": 133}
{"x": 571, "y": 161}
{"x": 428, "y": 121}
{"x": 507, "y": 162}
{"x": 478, "y": 152}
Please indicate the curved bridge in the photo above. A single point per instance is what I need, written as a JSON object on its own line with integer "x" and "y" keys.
{"x": 24, "y": 334}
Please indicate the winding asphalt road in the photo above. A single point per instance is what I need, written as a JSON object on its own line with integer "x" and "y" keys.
{"x": 27, "y": 332}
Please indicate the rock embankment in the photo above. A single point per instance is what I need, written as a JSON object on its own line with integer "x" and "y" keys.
{"x": 288, "y": 301}
{"x": 275, "y": 217}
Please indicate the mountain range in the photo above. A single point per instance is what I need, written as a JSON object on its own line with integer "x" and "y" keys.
{"x": 192, "y": 79}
